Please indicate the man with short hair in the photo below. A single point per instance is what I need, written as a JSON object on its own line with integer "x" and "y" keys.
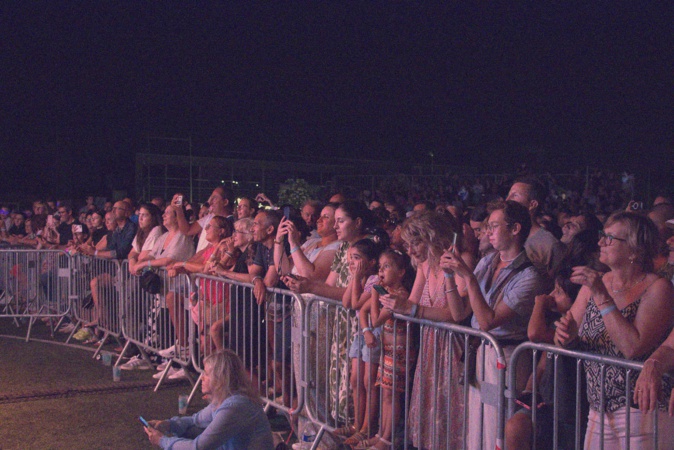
{"x": 263, "y": 275}
{"x": 543, "y": 249}
{"x": 65, "y": 227}
{"x": 310, "y": 212}
{"x": 220, "y": 203}
{"x": 245, "y": 208}
{"x": 121, "y": 240}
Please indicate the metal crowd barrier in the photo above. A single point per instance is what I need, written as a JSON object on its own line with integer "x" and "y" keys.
{"x": 35, "y": 284}
{"x": 225, "y": 314}
{"x": 146, "y": 319}
{"x": 435, "y": 374}
{"x": 97, "y": 288}
{"x": 554, "y": 355}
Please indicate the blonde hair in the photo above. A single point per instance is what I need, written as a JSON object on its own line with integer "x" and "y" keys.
{"x": 642, "y": 236}
{"x": 434, "y": 230}
{"x": 229, "y": 377}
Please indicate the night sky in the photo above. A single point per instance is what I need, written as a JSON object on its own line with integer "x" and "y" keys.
{"x": 85, "y": 83}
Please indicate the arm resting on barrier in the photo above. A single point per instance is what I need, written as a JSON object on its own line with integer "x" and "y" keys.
{"x": 648, "y": 388}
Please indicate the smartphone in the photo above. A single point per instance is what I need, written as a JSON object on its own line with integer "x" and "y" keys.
{"x": 144, "y": 422}
{"x": 50, "y": 220}
{"x": 77, "y": 228}
{"x": 179, "y": 200}
{"x": 380, "y": 289}
{"x": 454, "y": 237}
{"x": 290, "y": 275}
{"x": 286, "y": 212}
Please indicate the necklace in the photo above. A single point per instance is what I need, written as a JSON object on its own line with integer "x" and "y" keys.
{"x": 509, "y": 260}
{"x": 628, "y": 287}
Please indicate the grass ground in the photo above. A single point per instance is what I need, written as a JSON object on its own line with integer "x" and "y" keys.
{"x": 54, "y": 396}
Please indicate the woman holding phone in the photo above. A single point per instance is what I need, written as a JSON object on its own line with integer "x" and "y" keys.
{"x": 234, "y": 420}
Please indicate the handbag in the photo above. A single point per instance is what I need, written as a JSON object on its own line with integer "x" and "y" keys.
{"x": 150, "y": 282}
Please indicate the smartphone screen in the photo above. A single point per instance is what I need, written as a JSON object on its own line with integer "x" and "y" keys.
{"x": 144, "y": 422}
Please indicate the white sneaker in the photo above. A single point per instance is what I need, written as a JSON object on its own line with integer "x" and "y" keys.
{"x": 157, "y": 375}
{"x": 168, "y": 352}
{"x": 136, "y": 363}
{"x": 178, "y": 374}
{"x": 162, "y": 366}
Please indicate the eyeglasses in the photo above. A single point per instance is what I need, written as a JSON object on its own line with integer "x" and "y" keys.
{"x": 241, "y": 232}
{"x": 490, "y": 227}
{"x": 609, "y": 238}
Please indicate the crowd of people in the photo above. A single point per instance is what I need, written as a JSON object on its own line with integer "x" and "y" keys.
{"x": 589, "y": 270}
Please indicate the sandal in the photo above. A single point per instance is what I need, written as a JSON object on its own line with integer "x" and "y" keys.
{"x": 356, "y": 438}
{"x": 368, "y": 443}
{"x": 344, "y": 432}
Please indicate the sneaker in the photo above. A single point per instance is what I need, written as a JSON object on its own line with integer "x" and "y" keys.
{"x": 83, "y": 335}
{"x": 67, "y": 328}
{"x": 178, "y": 374}
{"x": 168, "y": 353}
{"x": 162, "y": 366}
{"x": 172, "y": 371}
{"x": 136, "y": 363}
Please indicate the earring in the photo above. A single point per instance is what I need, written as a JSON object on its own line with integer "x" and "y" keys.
{"x": 631, "y": 259}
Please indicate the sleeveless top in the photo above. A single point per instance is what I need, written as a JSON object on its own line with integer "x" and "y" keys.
{"x": 595, "y": 338}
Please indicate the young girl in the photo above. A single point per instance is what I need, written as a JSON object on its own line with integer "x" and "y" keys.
{"x": 362, "y": 258}
{"x": 396, "y": 275}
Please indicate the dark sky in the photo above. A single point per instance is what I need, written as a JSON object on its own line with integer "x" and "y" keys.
{"x": 84, "y": 84}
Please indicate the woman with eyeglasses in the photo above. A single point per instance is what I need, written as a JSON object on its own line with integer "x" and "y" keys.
{"x": 625, "y": 313}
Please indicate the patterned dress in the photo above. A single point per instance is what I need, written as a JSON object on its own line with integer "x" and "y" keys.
{"x": 595, "y": 338}
{"x": 433, "y": 424}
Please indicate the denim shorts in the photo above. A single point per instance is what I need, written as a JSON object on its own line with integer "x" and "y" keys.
{"x": 359, "y": 349}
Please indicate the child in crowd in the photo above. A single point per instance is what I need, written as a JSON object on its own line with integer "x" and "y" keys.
{"x": 363, "y": 256}
{"x": 396, "y": 276}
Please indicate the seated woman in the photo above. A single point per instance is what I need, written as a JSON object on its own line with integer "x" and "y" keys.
{"x": 234, "y": 420}
{"x": 625, "y": 313}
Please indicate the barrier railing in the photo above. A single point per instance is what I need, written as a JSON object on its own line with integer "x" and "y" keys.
{"x": 225, "y": 314}
{"x": 35, "y": 285}
{"x": 97, "y": 288}
{"x": 561, "y": 415}
{"x": 149, "y": 321}
{"x": 429, "y": 386}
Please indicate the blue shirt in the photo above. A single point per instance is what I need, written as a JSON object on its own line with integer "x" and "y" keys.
{"x": 236, "y": 424}
{"x": 518, "y": 293}
{"x": 121, "y": 240}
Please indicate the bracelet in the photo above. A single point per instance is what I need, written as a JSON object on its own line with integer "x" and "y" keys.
{"x": 278, "y": 242}
{"x": 293, "y": 250}
{"x": 367, "y": 329}
{"x": 413, "y": 312}
{"x": 607, "y": 310}
{"x": 603, "y": 303}
{"x": 451, "y": 290}
{"x": 448, "y": 274}
{"x": 230, "y": 254}
{"x": 257, "y": 277}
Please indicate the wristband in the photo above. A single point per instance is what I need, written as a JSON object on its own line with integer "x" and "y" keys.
{"x": 278, "y": 242}
{"x": 293, "y": 250}
{"x": 448, "y": 275}
{"x": 230, "y": 254}
{"x": 413, "y": 312}
{"x": 258, "y": 277}
{"x": 607, "y": 310}
{"x": 451, "y": 290}
{"x": 96, "y": 252}
{"x": 367, "y": 329}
